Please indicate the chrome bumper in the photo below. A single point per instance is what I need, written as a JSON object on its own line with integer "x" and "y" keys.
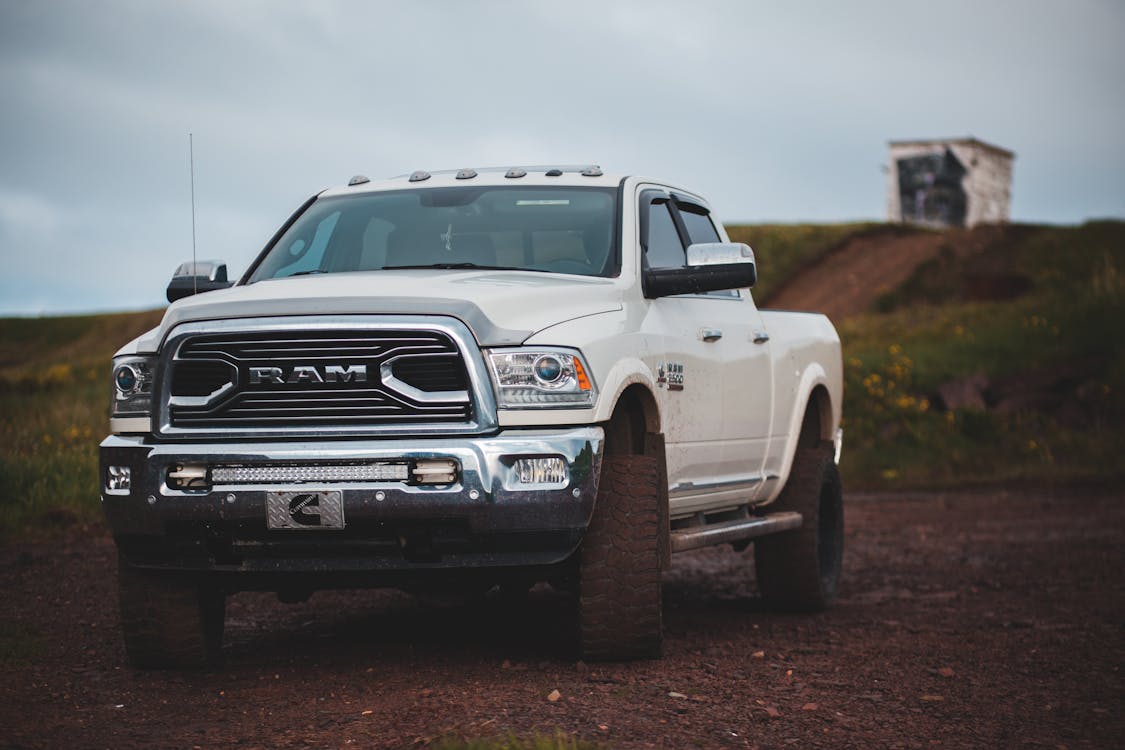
{"x": 486, "y": 509}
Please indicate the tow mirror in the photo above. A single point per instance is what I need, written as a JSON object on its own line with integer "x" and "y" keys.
{"x": 719, "y": 253}
{"x": 711, "y": 266}
{"x": 195, "y": 277}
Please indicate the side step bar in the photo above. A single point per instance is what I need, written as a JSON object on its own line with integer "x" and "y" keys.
{"x": 733, "y": 531}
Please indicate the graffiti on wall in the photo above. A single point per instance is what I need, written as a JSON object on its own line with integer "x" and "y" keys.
{"x": 930, "y": 189}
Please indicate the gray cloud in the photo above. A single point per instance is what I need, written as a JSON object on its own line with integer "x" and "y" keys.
{"x": 777, "y": 112}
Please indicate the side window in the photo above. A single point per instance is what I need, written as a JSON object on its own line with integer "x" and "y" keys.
{"x": 664, "y": 247}
{"x": 700, "y": 229}
{"x": 699, "y": 226}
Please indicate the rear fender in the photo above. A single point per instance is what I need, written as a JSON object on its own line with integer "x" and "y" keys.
{"x": 813, "y": 376}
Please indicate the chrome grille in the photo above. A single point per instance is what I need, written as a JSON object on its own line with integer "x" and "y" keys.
{"x": 291, "y": 379}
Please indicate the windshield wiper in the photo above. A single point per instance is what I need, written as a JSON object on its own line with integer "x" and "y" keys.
{"x": 303, "y": 273}
{"x": 454, "y": 266}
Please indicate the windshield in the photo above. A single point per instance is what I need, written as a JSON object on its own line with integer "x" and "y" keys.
{"x": 562, "y": 230}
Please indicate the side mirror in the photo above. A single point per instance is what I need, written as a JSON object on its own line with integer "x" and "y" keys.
{"x": 720, "y": 253}
{"x": 197, "y": 277}
{"x": 711, "y": 267}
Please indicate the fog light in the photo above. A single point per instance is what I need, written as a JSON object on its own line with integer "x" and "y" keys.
{"x": 434, "y": 471}
{"x": 118, "y": 478}
{"x": 188, "y": 477}
{"x": 548, "y": 470}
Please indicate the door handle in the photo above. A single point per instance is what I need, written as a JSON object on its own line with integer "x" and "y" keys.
{"x": 710, "y": 334}
{"x": 760, "y": 337}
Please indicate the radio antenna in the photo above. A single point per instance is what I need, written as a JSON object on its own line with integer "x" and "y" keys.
{"x": 194, "y": 266}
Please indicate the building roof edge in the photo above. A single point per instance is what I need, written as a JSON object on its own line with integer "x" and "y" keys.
{"x": 966, "y": 140}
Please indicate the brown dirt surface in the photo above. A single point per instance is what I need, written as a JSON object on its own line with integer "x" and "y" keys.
{"x": 848, "y": 280}
{"x": 989, "y": 618}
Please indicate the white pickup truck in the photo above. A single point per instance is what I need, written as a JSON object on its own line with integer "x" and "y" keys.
{"x": 472, "y": 379}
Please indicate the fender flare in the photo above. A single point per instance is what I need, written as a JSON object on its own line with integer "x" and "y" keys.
{"x": 814, "y": 376}
{"x": 626, "y": 372}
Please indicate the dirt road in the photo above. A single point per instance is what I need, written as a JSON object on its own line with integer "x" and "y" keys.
{"x": 972, "y": 619}
{"x": 848, "y": 281}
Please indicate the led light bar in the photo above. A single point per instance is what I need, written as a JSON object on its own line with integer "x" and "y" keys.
{"x": 380, "y": 472}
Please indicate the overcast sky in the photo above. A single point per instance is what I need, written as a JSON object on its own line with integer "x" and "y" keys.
{"x": 776, "y": 111}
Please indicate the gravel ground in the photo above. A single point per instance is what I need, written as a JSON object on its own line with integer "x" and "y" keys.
{"x": 992, "y": 618}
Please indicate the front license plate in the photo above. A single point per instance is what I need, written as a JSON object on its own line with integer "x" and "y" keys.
{"x": 305, "y": 511}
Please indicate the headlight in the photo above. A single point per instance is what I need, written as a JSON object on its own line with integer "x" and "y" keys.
{"x": 132, "y": 387}
{"x": 541, "y": 378}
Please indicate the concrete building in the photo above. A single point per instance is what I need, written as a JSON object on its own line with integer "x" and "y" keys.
{"x": 959, "y": 182}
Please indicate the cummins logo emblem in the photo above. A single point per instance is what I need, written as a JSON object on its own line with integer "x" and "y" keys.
{"x": 310, "y": 511}
{"x": 309, "y": 374}
{"x": 305, "y": 510}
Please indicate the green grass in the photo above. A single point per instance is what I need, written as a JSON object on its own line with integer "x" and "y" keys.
{"x": 54, "y": 409}
{"x": 1068, "y": 327}
{"x": 30, "y": 346}
{"x": 48, "y": 465}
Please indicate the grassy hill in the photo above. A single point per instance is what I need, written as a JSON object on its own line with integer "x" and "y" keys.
{"x": 1022, "y": 327}
{"x": 1036, "y": 315}
{"x": 54, "y": 406}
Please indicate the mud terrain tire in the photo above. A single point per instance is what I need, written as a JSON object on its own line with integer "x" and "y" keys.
{"x": 799, "y": 570}
{"x": 619, "y": 595}
{"x": 167, "y": 620}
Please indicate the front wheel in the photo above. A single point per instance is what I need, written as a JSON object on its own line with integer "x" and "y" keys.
{"x": 619, "y": 594}
{"x": 168, "y": 620}
{"x": 799, "y": 570}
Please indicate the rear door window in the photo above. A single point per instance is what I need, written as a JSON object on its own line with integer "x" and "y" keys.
{"x": 699, "y": 226}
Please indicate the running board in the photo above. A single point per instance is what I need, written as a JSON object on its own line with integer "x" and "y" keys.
{"x": 733, "y": 531}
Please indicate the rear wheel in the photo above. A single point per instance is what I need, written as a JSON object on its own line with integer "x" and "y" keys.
{"x": 799, "y": 570}
{"x": 168, "y": 620}
{"x": 619, "y": 596}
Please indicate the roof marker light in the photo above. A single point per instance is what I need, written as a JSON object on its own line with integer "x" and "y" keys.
{"x": 358, "y": 180}
{"x": 466, "y": 174}
{"x": 554, "y": 173}
{"x": 419, "y": 176}
{"x": 515, "y": 172}
{"x": 592, "y": 171}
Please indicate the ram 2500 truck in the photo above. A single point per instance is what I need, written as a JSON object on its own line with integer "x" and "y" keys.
{"x": 472, "y": 379}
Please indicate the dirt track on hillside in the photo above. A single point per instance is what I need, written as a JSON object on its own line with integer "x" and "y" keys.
{"x": 848, "y": 280}
{"x": 971, "y": 619}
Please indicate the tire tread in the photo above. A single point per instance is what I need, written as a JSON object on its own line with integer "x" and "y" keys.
{"x": 619, "y": 591}
{"x": 787, "y": 564}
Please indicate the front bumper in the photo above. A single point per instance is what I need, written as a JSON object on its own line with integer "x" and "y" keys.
{"x": 486, "y": 518}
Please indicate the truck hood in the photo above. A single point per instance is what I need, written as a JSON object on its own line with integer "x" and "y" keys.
{"x": 499, "y": 307}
